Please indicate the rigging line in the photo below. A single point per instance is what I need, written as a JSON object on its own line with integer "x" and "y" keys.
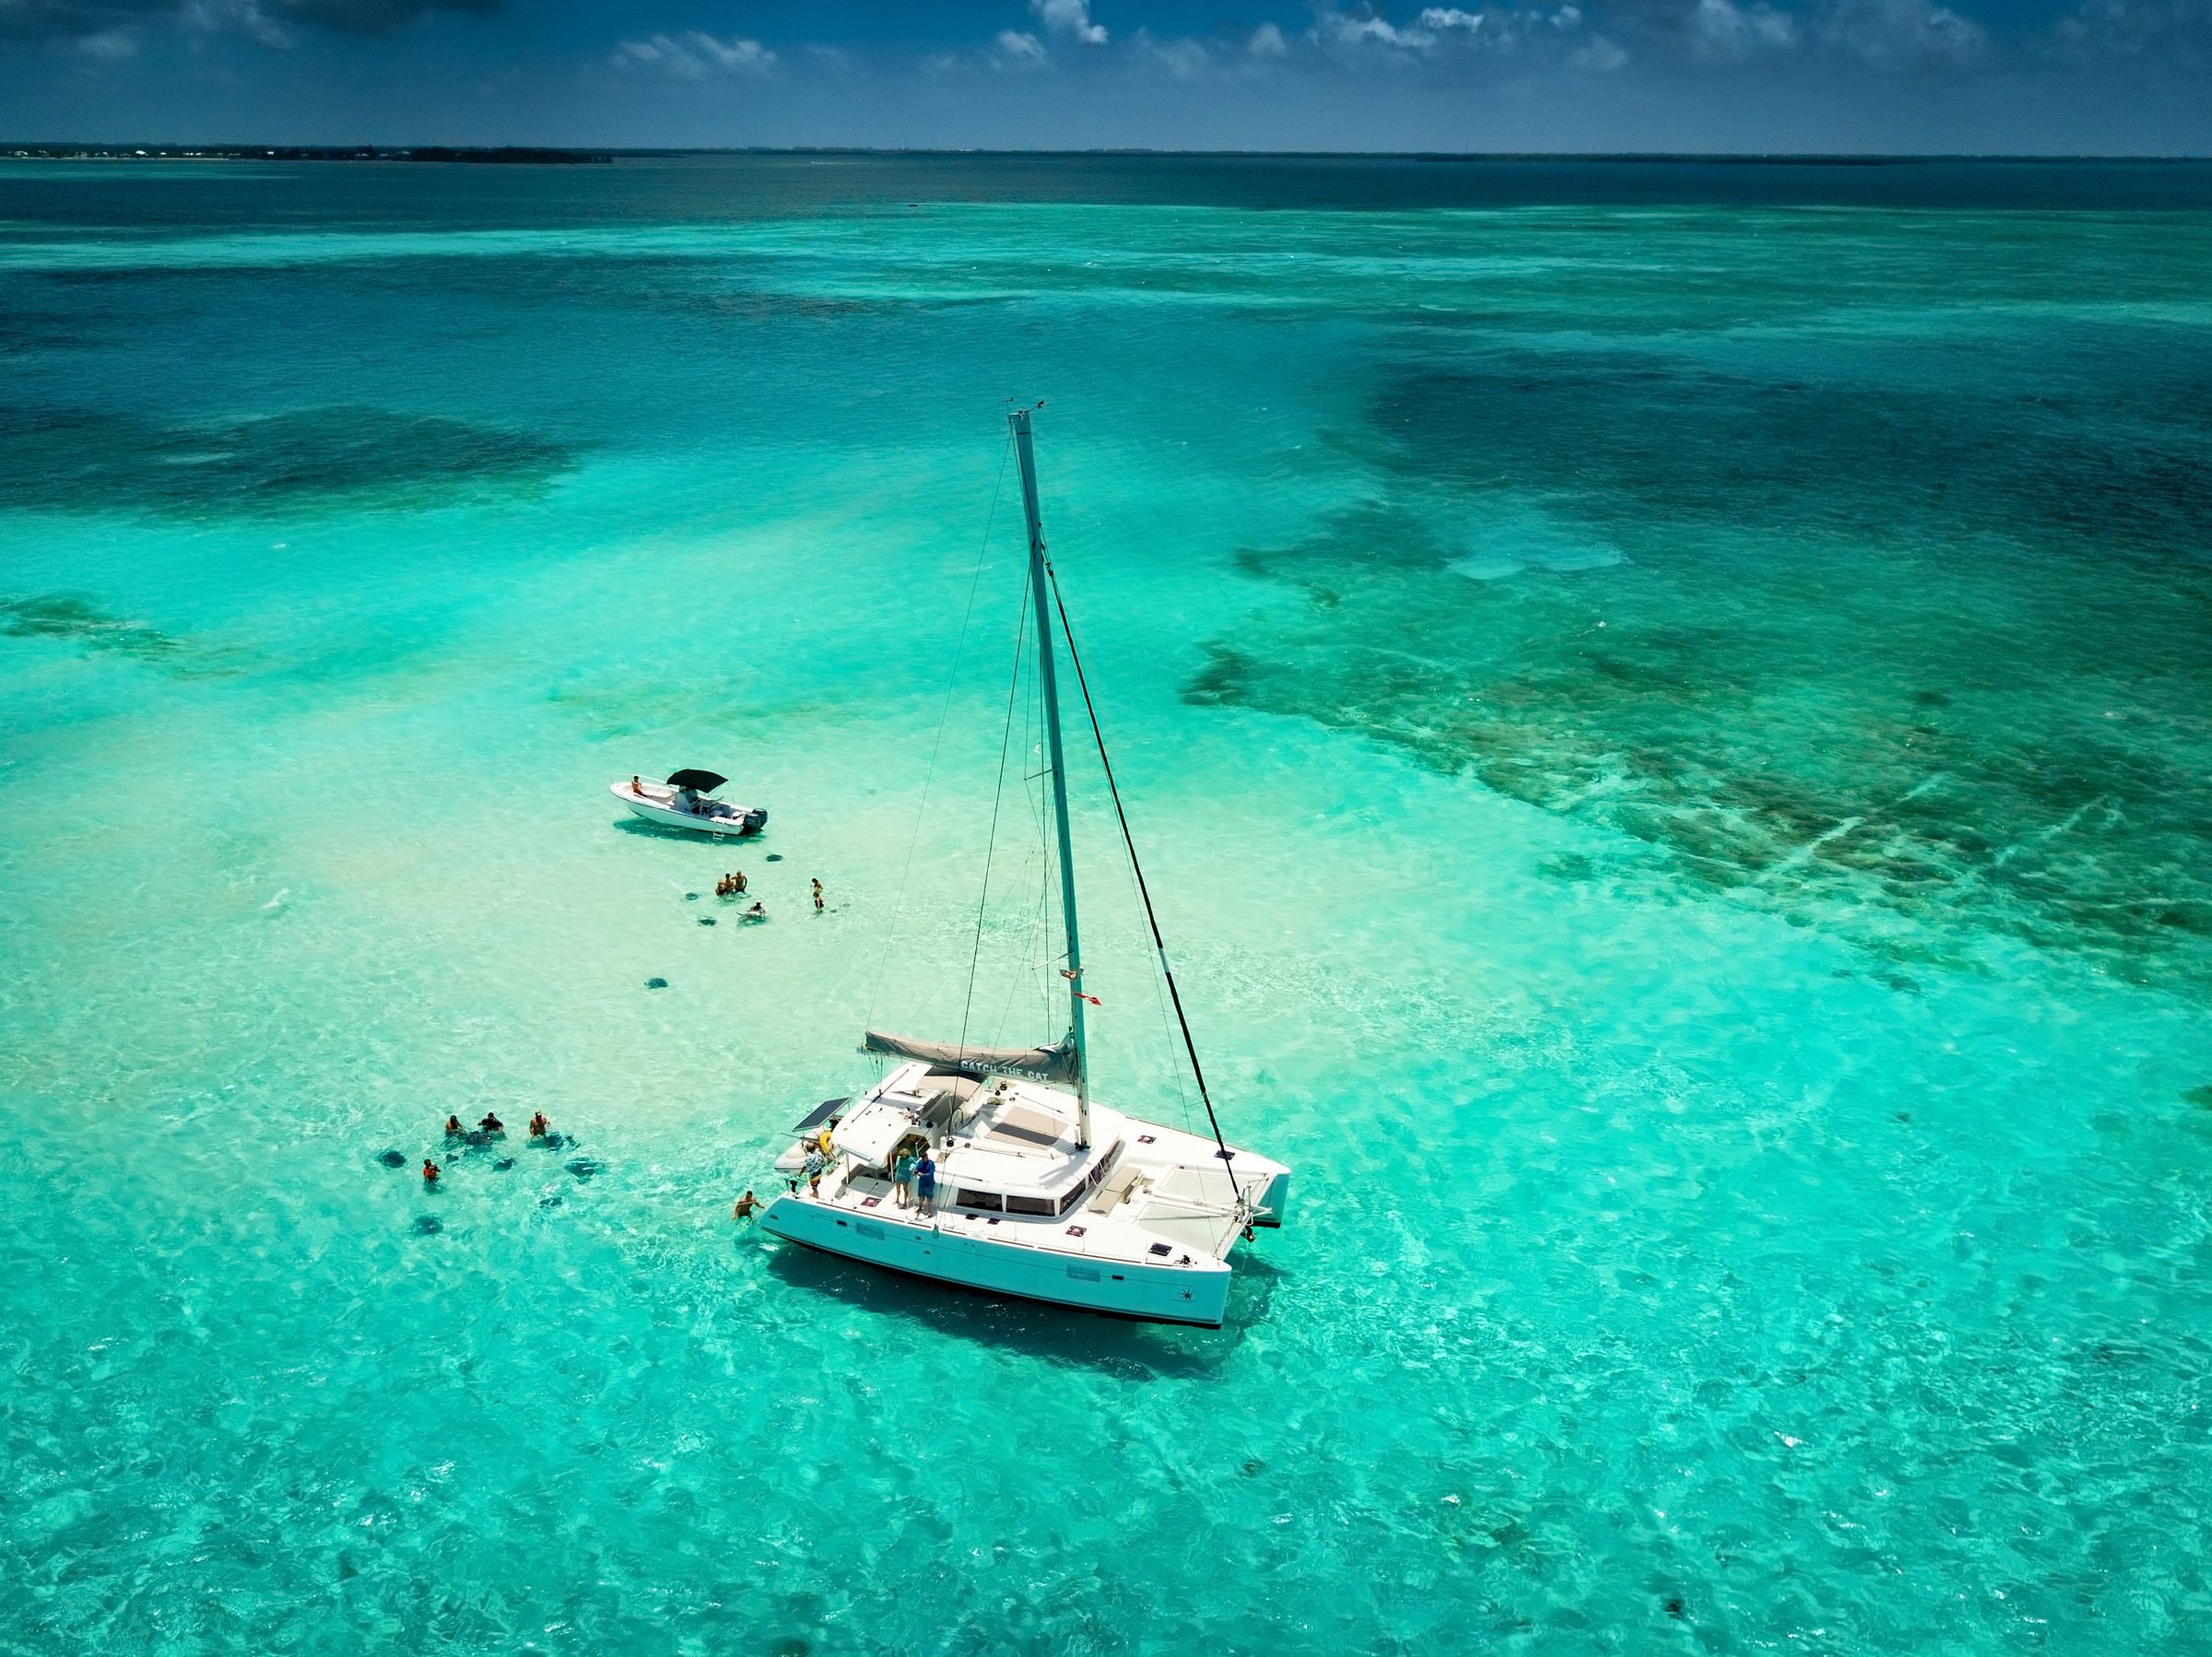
{"x": 952, "y": 681}
{"x": 1144, "y": 891}
{"x": 998, "y": 794}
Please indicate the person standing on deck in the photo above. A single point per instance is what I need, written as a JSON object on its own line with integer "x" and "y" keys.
{"x": 925, "y": 1183}
{"x": 815, "y": 1164}
{"x": 903, "y": 1177}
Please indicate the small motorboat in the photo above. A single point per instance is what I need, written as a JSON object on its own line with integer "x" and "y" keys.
{"x": 683, "y": 801}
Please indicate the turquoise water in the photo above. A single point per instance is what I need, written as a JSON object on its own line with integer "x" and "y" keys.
{"x": 1666, "y": 707}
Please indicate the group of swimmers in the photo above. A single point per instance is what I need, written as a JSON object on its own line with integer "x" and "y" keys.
{"x": 491, "y": 1127}
{"x": 733, "y": 885}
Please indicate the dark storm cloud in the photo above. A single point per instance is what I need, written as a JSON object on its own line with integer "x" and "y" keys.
{"x": 269, "y": 21}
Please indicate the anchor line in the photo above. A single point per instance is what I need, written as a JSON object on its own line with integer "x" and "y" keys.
{"x": 1144, "y": 890}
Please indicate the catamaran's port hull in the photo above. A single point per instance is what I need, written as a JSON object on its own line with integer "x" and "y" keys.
{"x": 1195, "y": 1294}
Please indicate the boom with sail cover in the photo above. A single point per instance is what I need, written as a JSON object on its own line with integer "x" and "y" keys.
{"x": 1033, "y": 1063}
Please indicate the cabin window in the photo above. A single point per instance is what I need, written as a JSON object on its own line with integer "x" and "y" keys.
{"x": 978, "y": 1199}
{"x": 1068, "y": 1202}
{"x": 1030, "y": 1206}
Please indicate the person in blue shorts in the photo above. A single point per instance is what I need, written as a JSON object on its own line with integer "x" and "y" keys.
{"x": 925, "y": 1183}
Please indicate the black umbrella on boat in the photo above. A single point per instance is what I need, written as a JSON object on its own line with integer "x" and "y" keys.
{"x": 704, "y": 782}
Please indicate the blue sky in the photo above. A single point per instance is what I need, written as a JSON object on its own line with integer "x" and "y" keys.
{"x": 2020, "y": 76}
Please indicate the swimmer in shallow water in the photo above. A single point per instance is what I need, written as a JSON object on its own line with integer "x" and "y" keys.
{"x": 746, "y": 1204}
{"x": 491, "y": 1123}
{"x": 757, "y": 913}
{"x": 452, "y": 1127}
{"x": 817, "y": 897}
{"x": 430, "y": 1172}
{"x": 538, "y": 1125}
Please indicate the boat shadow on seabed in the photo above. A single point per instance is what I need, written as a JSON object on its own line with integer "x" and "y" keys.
{"x": 645, "y": 831}
{"x": 1057, "y": 1335}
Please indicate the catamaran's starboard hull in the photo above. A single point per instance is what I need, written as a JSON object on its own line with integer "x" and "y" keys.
{"x": 1196, "y": 1294}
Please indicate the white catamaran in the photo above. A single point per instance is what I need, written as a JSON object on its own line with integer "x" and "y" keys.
{"x": 1040, "y": 1191}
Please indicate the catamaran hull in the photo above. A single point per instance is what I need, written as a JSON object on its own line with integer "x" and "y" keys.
{"x": 1197, "y": 1295}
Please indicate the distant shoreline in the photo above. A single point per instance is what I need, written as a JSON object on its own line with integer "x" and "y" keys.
{"x": 537, "y": 155}
{"x": 507, "y": 154}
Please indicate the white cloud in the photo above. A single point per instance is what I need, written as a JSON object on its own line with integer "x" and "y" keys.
{"x": 2181, "y": 29}
{"x": 1722, "y": 31}
{"x": 1901, "y": 34}
{"x": 1366, "y": 30}
{"x": 1182, "y": 57}
{"x": 1070, "y": 20}
{"x": 109, "y": 45}
{"x": 1268, "y": 41}
{"x": 1440, "y": 29}
{"x": 1599, "y": 54}
{"x": 1015, "y": 49}
{"x": 236, "y": 17}
{"x": 694, "y": 54}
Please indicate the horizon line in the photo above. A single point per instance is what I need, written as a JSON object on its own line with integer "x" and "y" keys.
{"x": 162, "y": 149}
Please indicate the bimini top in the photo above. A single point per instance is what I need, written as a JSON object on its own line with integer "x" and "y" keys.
{"x": 1032, "y": 1063}
{"x": 706, "y": 782}
{"x": 873, "y": 1132}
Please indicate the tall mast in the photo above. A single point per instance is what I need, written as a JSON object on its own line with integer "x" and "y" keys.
{"x": 1040, "y": 574}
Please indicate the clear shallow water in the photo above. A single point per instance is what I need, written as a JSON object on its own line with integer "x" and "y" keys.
{"x": 1666, "y": 710}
